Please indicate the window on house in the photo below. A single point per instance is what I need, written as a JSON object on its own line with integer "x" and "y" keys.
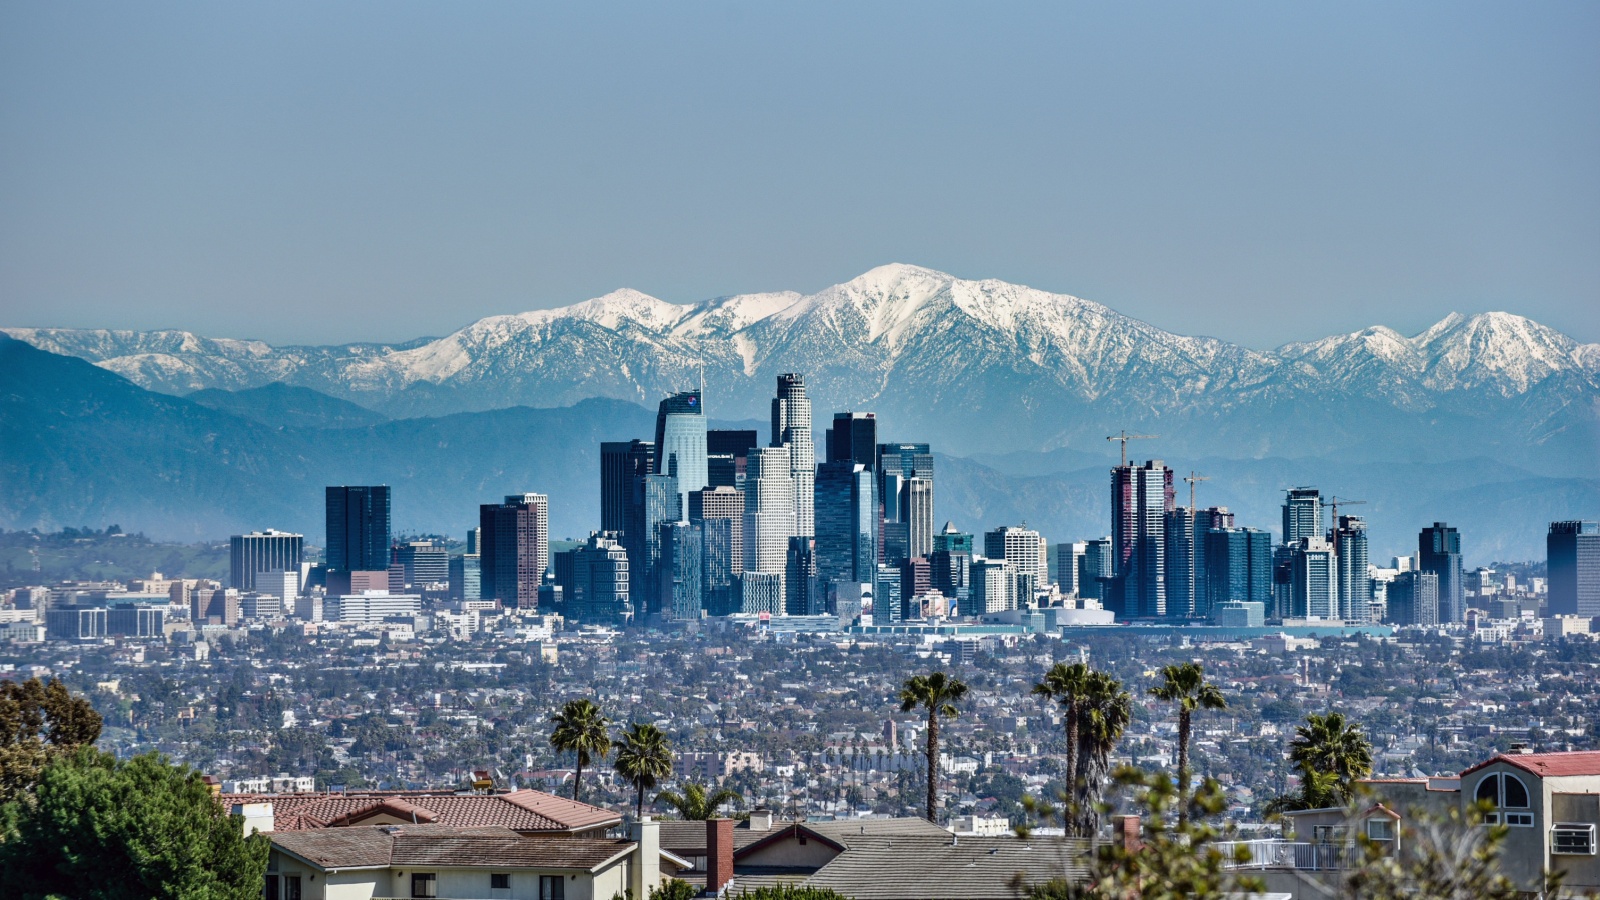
{"x": 1506, "y": 793}
{"x": 1380, "y": 829}
{"x": 291, "y": 887}
{"x": 424, "y": 884}
{"x": 552, "y": 887}
{"x": 499, "y": 882}
{"x": 270, "y": 892}
{"x": 1572, "y": 839}
{"x": 1329, "y": 834}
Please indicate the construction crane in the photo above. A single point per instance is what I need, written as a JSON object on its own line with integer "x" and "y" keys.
{"x": 1125, "y": 437}
{"x": 1334, "y": 503}
{"x": 1194, "y": 478}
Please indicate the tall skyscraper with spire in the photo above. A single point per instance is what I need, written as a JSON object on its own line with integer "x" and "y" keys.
{"x": 791, "y": 429}
{"x": 681, "y": 443}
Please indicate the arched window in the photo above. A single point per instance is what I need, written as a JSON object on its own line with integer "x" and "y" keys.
{"x": 1506, "y": 793}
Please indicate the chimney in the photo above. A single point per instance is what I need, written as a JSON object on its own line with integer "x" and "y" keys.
{"x": 760, "y": 820}
{"x": 646, "y": 833}
{"x": 1128, "y": 830}
{"x": 255, "y": 817}
{"x": 719, "y": 854}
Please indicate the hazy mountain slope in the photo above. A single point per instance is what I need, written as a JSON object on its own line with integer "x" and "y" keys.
{"x": 281, "y": 406}
{"x": 970, "y": 365}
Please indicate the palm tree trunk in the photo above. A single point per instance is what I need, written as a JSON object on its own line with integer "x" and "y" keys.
{"x": 577, "y": 779}
{"x": 1183, "y": 768}
{"x": 933, "y": 763}
{"x": 1072, "y": 753}
{"x": 638, "y": 786}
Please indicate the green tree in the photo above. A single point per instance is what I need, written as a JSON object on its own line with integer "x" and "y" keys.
{"x": 1331, "y": 753}
{"x": 581, "y": 728}
{"x": 791, "y": 892}
{"x": 108, "y": 830}
{"x": 696, "y": 803}
{"x": 39, "y": 721}
{"x": 1065, "y": 684}
{"x": 1189, "y": 862}
{"x": 1103, "y": 717}
{"x": 1185, "y": 685}
{"x": 643, "y": 757}
{"x": 938, "y": 693}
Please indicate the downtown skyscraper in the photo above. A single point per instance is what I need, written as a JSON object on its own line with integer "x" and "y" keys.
{"x": 791, "y": 429}
{"x": 769, "y": 518}
{"x": 1355, "y": 586}
{"x": 515, "y": 549}
{"x": 1141, "y": 497}
{"x": 1439, "y": 552}
{"x": 1572, "y": 557}
{"x": 907, "y": 529}
{"x": 681, "y": 443}
{"x": 358, "y": 528}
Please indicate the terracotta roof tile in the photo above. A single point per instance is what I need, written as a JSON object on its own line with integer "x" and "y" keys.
{"x": 1546, "y": 765}
{"x": 523, "y": 810}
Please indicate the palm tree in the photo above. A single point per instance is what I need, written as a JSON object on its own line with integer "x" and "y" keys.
{"x": 1185, "y": 684}
{"x": 694, "y": 804}
{"x": 938, "y": 693}
{"x": 581, "y": 728}
{"x": 1103, "y": 717}
{"x": 643, "y": 757}
{"x": 1332, "y": 743}
{"x": 1065, "y": 684}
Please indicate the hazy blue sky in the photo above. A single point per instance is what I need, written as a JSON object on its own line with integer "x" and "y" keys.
{"x": 321, "y": 172}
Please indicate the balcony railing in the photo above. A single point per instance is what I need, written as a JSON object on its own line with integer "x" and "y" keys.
{"x": 1279, "y": 854}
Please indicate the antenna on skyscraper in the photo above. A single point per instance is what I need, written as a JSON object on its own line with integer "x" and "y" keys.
{"x": 1125, "y": 437}
{"x": 1193, "y": 478}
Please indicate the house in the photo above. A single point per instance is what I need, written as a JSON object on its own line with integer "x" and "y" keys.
{"x": 363, "y": 862}
{"x": 869, "y": 859}
{"x": 1548, "y": 802}
{"x": 523, "y": 811}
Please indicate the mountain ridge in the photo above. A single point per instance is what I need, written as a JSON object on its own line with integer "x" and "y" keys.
{"x": 950, "y": 357}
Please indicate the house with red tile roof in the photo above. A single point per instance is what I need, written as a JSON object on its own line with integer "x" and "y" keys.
{"x": 523, "y": 811}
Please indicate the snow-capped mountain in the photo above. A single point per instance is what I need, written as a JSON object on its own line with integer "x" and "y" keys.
{"x": 971, "y": 364}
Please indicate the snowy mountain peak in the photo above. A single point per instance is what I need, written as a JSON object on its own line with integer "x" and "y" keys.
{"x": 627, "y": 305}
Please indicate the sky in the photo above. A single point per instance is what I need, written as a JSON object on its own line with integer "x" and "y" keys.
{"x": 1261, "y": 172}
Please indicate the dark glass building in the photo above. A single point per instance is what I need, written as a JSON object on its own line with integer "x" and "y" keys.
{"x": 1238, "y": 567}
{"x": 1141, "y": 497}
{"x": 620, "y": 463}
{"x": 514, "y": 549}
{"x": 854, "y": 438}
{"x": 358, "y": 528}
{"x": 1572, "y": 554}
{"x": 1439, "y": 552}
{"x": 846, "y": 523}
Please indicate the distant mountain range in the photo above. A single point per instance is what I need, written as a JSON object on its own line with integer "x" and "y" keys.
{"x": 973, "y": 366}
{"x": 83, "y": 446}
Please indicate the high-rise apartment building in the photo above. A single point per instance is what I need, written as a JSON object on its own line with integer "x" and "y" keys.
{"x": 993, "y": 586}
{"x": 466, "y": 577}
{"x": 1439, "y": 552}
{"x": 1097, "y": 570}
{"x": 599, "y": 581}
{"x": 1181, "y": 581}
{"x": 1314, "y": 592}
{"x": 358, "y": 528}
{"x": 1572, "y": 557}
{"x": 516, "y": 548}
{"x": 1355, "y": 585}
{"x": 1202, "y": 523}
{"x": 681, "y": 443}
{"x": 918, "y": 494}
{"x": 1414, "y": 599}
{"x": 1302, "y": 514}
{"x": 261, "y": 551}
{"x": 1141, "y": 497}
{"x": 1019, "y": 547}
{"x": 1238, "y": 567}
{"x": 846, "y": 522}
{"x": 769, "y": 518}
{"x": 791, "y": 429}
